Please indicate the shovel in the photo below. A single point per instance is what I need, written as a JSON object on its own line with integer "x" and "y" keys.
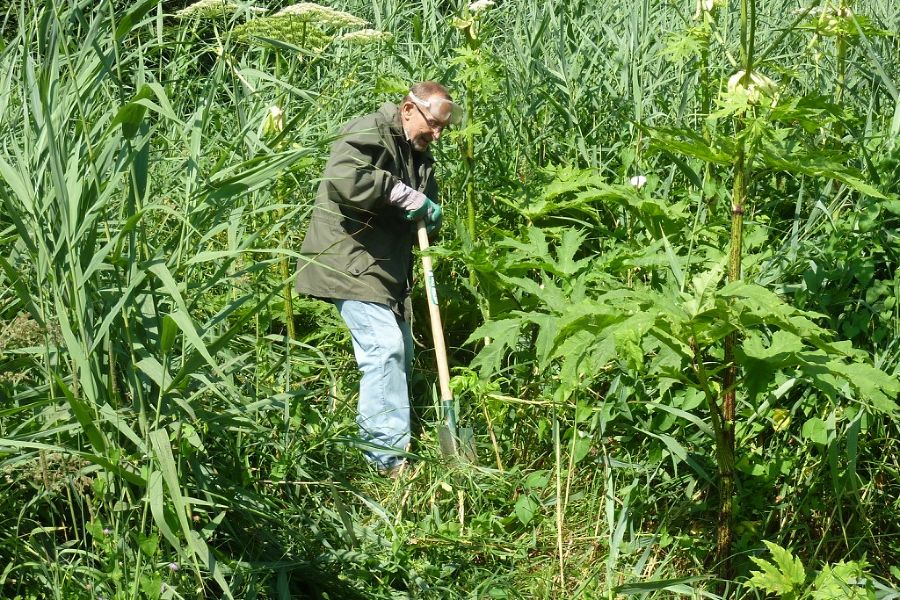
{"x": 454, "y": 441}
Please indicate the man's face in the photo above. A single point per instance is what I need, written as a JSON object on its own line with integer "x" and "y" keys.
{"x": 422, "y": 127}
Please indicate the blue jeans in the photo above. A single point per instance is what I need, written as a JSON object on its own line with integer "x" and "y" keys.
{"x": 383, "y": 346}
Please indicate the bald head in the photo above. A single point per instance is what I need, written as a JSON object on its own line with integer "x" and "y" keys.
{"x": 427, "y": 89}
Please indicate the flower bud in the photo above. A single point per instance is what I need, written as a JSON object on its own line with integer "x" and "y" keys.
{"x": 758, "y": 87}
{"x": 638, "y": 181}
{"x": 274, "y": 121}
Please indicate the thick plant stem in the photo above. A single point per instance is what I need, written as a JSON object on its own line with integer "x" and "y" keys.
{"x": 725, "y": 442}
{"x": 469, "y": 162}
{"x": 725, "y": 533}
{"x": 284, "y": 267}
{"x": 285, "y": 272}
{"x": 841, "y": 62}
{"x": 468, "y": 155}
{"x": 724, "y": 460}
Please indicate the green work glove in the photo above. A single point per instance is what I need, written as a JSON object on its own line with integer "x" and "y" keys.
{"x": 430, "y": 211}
{"x": 434, "y": 218}
{"x": 423, "y": 211}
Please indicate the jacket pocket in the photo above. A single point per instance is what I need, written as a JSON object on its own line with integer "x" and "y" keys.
{"x": 361, "y": 262}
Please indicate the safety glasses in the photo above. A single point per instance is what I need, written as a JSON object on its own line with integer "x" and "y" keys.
{"x": 442, "y": 112}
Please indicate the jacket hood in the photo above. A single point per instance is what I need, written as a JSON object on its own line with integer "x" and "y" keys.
{"x": 391, "y": 114}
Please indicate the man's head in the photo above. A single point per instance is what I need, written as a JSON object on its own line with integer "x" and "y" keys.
{"x": 426, "y": 111}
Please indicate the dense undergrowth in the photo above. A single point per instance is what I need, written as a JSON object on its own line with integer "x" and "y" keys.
{"x": 668, "y": 270}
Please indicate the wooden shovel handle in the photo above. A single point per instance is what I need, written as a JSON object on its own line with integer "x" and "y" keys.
{"x": 434, "y": 311}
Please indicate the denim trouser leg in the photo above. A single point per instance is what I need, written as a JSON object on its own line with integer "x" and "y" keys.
{"x": 383, "y": 347}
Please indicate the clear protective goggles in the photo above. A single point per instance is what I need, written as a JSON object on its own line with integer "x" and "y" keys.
{"x": 445, "y": 112}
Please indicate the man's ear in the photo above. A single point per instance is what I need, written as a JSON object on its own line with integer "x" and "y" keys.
{"x": 406, "y": 109}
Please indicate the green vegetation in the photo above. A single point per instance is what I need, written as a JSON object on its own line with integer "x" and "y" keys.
{"x": 668, "y": 268}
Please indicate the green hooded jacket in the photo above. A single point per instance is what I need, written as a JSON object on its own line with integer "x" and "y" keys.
{"x": 357, "y": 246}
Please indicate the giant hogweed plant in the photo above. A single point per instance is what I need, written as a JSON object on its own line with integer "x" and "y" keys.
{"x": 752, "y": 131}
{"x": 703, "y": 326}
{"x": 580, "y": 326}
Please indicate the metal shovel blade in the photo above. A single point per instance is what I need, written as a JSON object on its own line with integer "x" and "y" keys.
{"x": 455, "y": 441}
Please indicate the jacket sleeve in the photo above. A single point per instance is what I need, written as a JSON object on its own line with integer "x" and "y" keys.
{"x": 357, "y": 171}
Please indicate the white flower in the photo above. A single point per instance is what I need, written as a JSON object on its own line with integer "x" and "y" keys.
{"x": 365, "y": 36}
{"x": 214, "y": 8}
{"x": 273, "y": 124}
{"x": 638, "y": 181}
{"x": 321, "y": 15}
{"x": 305, "y": 35}
{"x": 480, "y": 5}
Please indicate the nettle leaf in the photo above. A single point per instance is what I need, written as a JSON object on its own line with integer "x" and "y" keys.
{"x": 785, "y": 577}
{"x": 870, "y": 384}
{"x": 816, "y": 163}
{"x": 704, "y": 285}
{"x": 843, "y": 580}
{"x": 504, "y": 334}
{"x": 548, "y": 328}
{"x": 569, "y": 180}
{"x": 690, "y": 143}
{"x": 761, "y": 362}
{"x": 570, "y": 243}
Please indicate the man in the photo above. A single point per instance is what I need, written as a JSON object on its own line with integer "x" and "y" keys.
{"x": 378, "y": 182}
